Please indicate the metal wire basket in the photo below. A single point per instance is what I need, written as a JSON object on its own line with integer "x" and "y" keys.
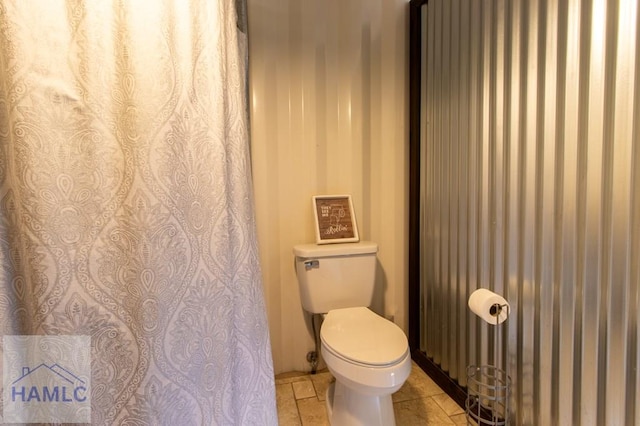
{"x": 488, "y": 392}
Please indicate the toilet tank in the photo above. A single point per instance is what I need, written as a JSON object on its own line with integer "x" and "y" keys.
{"x": 334, "y": 276}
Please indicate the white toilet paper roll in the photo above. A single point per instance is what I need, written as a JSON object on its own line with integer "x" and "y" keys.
{"x": 481, "y": 302}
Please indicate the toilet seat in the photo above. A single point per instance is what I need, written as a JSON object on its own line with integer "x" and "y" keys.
{"x": 360, "y": 336}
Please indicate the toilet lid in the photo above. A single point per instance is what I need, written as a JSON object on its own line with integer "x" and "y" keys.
{"x": 360, "y": 335}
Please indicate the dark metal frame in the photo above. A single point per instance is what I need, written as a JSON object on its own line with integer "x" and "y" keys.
{"x": 446, "y": 383}
{"x": 415, "y": 48}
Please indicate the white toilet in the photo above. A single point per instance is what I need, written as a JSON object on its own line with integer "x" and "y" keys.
{"x": 367, "y": 354}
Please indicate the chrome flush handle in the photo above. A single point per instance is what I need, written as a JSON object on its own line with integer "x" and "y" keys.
{"x": 311, "y": 264}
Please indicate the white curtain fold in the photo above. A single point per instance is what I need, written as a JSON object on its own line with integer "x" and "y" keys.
{"x": 126, "y": 209}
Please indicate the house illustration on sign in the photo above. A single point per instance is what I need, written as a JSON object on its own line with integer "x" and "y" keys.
{"x": 337, "y": 213}
{"x": 48, "y": 383}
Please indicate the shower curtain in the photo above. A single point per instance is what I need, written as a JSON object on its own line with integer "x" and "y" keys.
{"x": 126, "y": 210}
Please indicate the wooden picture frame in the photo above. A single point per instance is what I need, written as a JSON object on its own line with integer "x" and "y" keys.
{"x": 335, "y": 219}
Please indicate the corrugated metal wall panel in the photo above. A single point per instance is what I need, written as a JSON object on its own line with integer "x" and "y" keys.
{"x": 328, "y": 87}
{"x": 531, "y": 188}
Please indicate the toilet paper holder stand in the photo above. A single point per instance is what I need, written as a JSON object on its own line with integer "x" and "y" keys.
{"x": 488, "y": 386}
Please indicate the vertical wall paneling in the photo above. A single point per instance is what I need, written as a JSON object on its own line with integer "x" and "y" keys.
{"x": 530, "y": 158}
{"x": 328, "y": 83}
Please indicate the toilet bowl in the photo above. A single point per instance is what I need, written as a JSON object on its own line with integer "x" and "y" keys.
{"x": 370, "y": 359}
{"x": 367, "y": 354}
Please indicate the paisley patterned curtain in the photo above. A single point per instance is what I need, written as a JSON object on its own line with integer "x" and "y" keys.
{"x": 126, "y": 209}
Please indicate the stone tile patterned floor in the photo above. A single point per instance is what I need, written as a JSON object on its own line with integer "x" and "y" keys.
{"x": 300, "y": 399}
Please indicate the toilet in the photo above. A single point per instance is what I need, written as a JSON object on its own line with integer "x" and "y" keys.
{"x": 367, "y": 354}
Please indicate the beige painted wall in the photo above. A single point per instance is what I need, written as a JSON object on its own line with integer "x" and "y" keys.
{"x": 328, "y": 87}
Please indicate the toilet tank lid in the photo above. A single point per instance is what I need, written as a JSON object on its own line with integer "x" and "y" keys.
{"x": 340, "y": 249}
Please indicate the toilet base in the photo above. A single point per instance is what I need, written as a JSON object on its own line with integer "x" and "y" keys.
{"x": 346, "y": 407}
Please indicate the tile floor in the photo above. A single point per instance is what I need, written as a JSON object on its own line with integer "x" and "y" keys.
{"x": 301, "y": 401}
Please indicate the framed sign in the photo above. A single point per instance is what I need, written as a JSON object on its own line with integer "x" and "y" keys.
{"x": 335, "y": 219}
